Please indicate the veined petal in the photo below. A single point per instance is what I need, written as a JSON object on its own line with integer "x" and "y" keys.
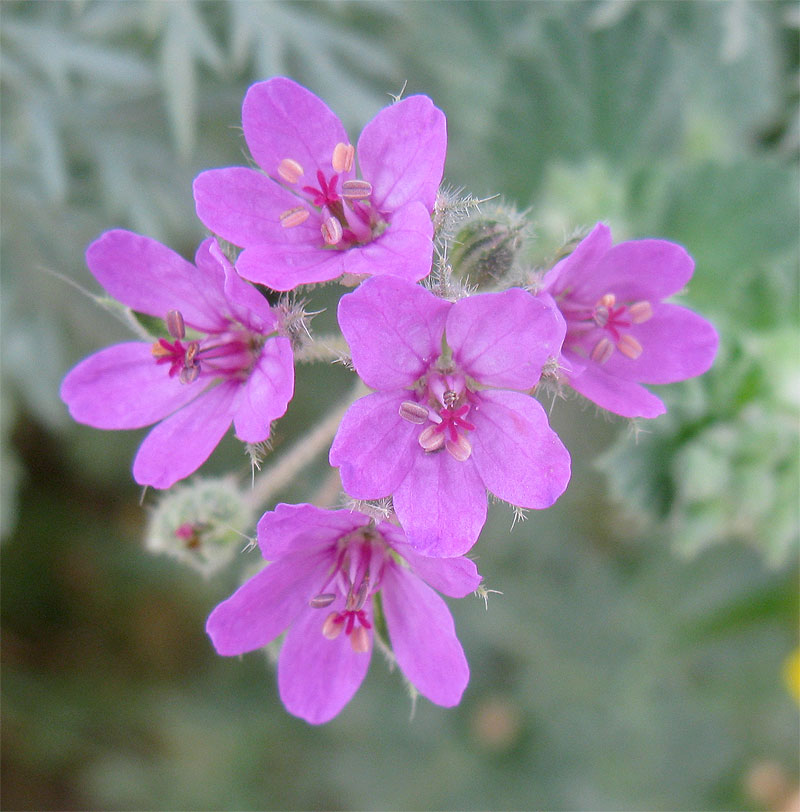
{"x": 676, "y": 344}
{"x": 455, "y": 577}
{"x": 504, "y": 339}
{"x": 317, "y": 677}
{"x": 423, "y": 637}
{"x": 284, "y": 267}
{"x": 441, "y": 504}
{"x": 298, "y": 528}
{"x": 266, "y": 393}
{"x": 615, "y": 394}
{"x": 518, "y": 456}
{"x": 374, "y": 447}
{"x": 401, "y": 152}
{"x": 179, "y": 445}
{"x": 282, "y": 119}
{"x": 122, "y": 387}
{"x": 266, "y": 604}
{"x": 404, "y": 250}
{"x": 244, "y": 207}
{"x": 149, "y": 277}
{"x": 394, "y": 329}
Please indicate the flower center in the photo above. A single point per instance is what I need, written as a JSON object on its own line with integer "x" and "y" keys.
{"x": 355, "y": 576}
{"x": 612, "y": 320}
{"x": 347, "y": 216}
{"x": 447, "y": 409}
{"x": 229, "y": 354}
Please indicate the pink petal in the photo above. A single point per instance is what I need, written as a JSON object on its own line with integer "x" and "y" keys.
{"x": 423, "y": 637}
{"x": 266, "y": 393}
{"x": 282, "y": 119}
{"x": 122, "y": 387}
{"x": 441, "y": 504}
{"x": 179, "y": 445}
{"x": 246, "y": 304}
{"x": 405, "y": 249}
{"x": 244, "y": 207}
{"x": 615, "y": 394}
{"x": 298, "y": 528}
{"x": 504, "y": 339}
{"x": 284, "y": 267}
{"x": 455, "y": 577}
{"x": 266, "y": 604}
{"x": 317, "y": 677}
{"x": 394, "y": 329}
{"x": 374, "y": 447}
{"x": 401, "y": 152}
{"x": 575, "y": 267}
{"x": 150, "y": 278}
{"x": 676, "y": 344}
{"x": 519, "y": 457}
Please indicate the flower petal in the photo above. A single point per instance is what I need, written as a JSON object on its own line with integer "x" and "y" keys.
{"x": 455, "y": 577}
{"x": 374, "y": 447}
{"x": 676, "y": 344}
{"x": 615, "y": 394}
{"x": 122, "y": 387}
{"x": 401, "y": 152}
{"x": 441, "y": 504}
{"x": 394, "y": 329}
{"x": 284, "y": 267}
{"x": 179, "y": 445}
{"x": 573, "y": 268}
{"x": 504, "y": 339}
{"x": 282, "y": 119}
{"x": 317, "y": 677}
{"x": 405, "y": 249}
{"x": 297, "y": 528}
{"x": 423, "y": 637}
{"x": 151, "y": 278}
{"x": 246, "y": 304}
{"x": 266, "y": 393}
{"x": 244, "y": 206}
{"x": 518, "y": 456}
{"x": 266, "y": 604}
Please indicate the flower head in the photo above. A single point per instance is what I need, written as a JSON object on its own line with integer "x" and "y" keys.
{"x": 445, "y": 424}
{"x": 221, "y": 362}
{"x": 328, "y": 567}
{"x": 308, "y": 217}
{"x": 620, "y": 332}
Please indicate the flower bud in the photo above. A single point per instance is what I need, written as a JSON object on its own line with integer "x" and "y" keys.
{"x": 200, "y": 523}
{"x": 484, "y": 251}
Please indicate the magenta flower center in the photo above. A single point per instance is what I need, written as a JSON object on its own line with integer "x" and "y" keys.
{"x": 345, "y": 211}
{"x": 602, "y": 326}
{"x": 229, "y": 354}
{"x": 445, "y": 407}
{"x": 356, "y": 575}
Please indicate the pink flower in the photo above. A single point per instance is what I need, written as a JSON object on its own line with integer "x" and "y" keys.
{"x": 443, "y": 426}
{"x": 329, "y": 566}
{"x": 308, "y": 217}
{"x": 222, "y": 361}
{"x": 620, "y": 333}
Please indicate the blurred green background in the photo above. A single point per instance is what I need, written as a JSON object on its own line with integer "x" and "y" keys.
{"x": 636, "y": 658}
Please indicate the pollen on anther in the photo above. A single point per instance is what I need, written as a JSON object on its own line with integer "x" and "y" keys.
{"x": 356, "y": 189}
{"x": 602, "y": 351}
{"x": 629, "y": 347}
{"x": 294, "y": 217}
{"x": 343, "y": 155}
{"x": 640, "y": 312}
{"x": 290, "y": 170}
{"x": 332, "y": 231}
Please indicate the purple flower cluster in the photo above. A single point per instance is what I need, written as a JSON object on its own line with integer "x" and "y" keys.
{"x": 452, "y": 414}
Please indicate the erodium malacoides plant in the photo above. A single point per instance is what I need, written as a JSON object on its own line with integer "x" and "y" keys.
{"x": 451, "y": 336}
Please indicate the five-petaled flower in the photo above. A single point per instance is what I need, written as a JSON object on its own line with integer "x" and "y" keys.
{"x": 308, "y": 217}
{"x": 221, "y": 363}
{"x": 328, "y": 568}
{"x": 444, "y": 425}
{"x": 620, "y": 333}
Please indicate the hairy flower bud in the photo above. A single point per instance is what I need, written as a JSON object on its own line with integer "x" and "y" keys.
{"x": 197, "y": 523}
{"x": 484, "y": 250}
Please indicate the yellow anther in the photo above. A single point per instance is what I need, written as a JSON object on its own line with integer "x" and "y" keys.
{"x": 332, "y": 231}
{"x": 290, "y": 170}
{"x": 430, "y": 439}
{"x": 461, "y": 449}
{"x": 343, "y": 155}
{"x": 359, "y": 640}
{"x": 602, "y": 351}
{"x": 629, "y": 347}
{"x": 640, "y": 312}
{"x": 356, "y": 189}
{"x": 294, "y": 217}
{"x": 333, "y": 625}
